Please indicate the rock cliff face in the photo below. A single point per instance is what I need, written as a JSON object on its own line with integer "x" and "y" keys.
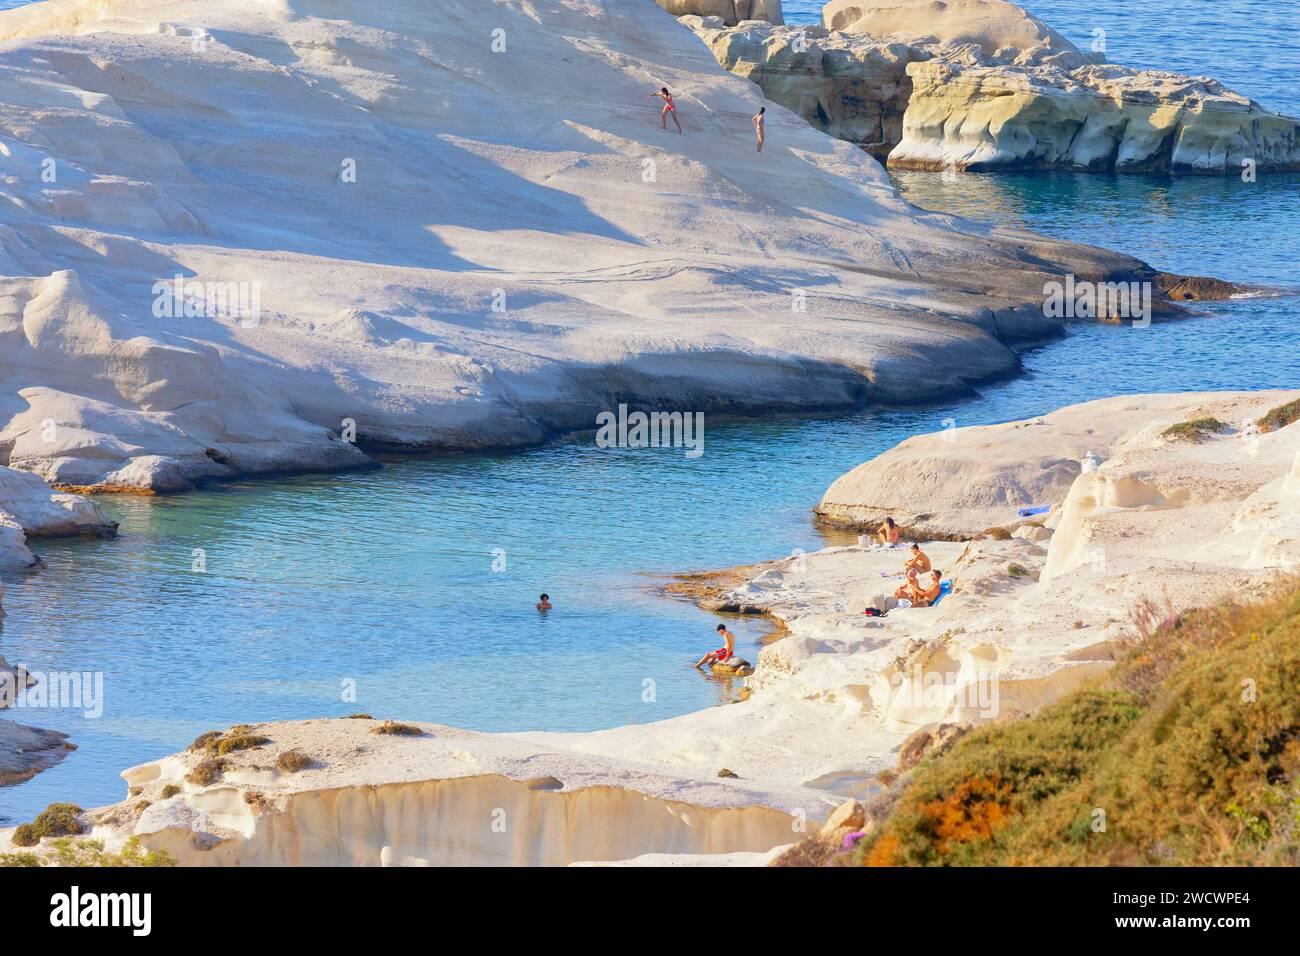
{"x": 437, "y": 796}
{"x": 1094, "y": 118}
{"x": 730, "y": 12}
{"x": 982, "y": 85}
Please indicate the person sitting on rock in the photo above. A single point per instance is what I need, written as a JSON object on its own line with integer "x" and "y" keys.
{"x": 908, "y": 587}
{"x": 888, "y": 533}
{"x": 721, "y": 654}
{"x": 918, "y": 562}
{"x": 925, "y": 595}
{"x": 544, "y": 604}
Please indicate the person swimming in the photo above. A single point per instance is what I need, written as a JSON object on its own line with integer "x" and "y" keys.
{"x": 670, "y": 108}
{"x": 759, "y": 122}
{"x": 721, "y": 654}
{"x": 889, "y": 532}
{"x": 544, "y": 603}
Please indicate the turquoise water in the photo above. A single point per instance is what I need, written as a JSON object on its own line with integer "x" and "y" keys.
{"x": 386, "y": 578}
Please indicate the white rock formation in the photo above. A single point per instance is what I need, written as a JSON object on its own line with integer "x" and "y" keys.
{"x": 983, "y": 85}
{"x": 30, "y": 508}
{"x": 1095, "y": 117}
{"x": 730, "y": 12}
{"x": 958, "y": 482}
{"x": 445, "y": 797}
{"x": 1001, "y": 30}
{"x": 414, "y": 229}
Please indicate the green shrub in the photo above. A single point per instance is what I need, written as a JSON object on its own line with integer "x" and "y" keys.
{"x": 1198, "y": 429}
{"x": 56, "y": 820}
{"x": 1281, "y": 416}
{"x": 227, "y": 745}
{"x": 1189, "y": 753}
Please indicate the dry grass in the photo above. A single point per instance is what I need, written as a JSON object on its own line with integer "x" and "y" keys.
{"x": 1280, "y": 417}
{"x": 1197, "y": 429}
{"x": 392, "y": 728}
{"x": 291, "y": 761}
{"x": 206, "y": 772}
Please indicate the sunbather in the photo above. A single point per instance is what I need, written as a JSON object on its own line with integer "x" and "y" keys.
{"x": 888, "y": 533}
{"x": 906, "y": 589}
{"x": 925, "y": 595}
{"x": 918, "y": 562}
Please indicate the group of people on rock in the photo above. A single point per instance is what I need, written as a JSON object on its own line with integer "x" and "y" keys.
{"x": 923, "y": 583}
{"x": 759, "y": 119}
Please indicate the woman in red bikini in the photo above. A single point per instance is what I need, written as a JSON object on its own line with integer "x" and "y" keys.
{"x": 669, "y": 109}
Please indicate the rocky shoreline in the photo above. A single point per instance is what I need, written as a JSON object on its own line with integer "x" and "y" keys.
{"x": 982, "y": 85}
{"x": 1200, "y": 491}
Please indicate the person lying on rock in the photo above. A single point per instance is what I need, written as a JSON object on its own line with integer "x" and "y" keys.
{"x": 721, "y": 654}
{"x": 918, "y": 562}
{"x": 888, "y": 533}
{"x": 544, "y": 604}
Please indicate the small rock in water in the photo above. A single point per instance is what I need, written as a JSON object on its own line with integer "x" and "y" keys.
{"x": 733, "y": 667}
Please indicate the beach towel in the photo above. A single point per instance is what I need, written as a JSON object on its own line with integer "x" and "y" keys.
{"x": 1037, "y": 510}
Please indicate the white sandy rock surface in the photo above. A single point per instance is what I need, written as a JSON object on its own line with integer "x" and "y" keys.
{"x": 958, "y": 482}
{"x": 1161, "y": 521}
{"x": 449, "y": 246}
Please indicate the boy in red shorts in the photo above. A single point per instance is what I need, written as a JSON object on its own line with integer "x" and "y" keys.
{"x": 722, "y": 653}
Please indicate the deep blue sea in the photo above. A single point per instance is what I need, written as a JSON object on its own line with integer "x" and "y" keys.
{"x": 386, "y": 579}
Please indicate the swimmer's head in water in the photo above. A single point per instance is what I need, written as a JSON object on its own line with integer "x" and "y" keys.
{"x": 545, "y": 597}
